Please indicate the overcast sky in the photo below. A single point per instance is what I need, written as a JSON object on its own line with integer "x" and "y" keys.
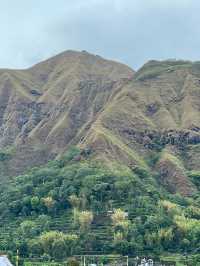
{"x": 130, "y": 31}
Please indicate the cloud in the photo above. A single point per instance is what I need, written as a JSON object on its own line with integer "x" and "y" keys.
{"x": 131, "y": 31}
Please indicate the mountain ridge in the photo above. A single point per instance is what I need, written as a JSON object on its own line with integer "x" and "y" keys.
{"x": 96, "y": 158}
{"x": 76, "y": 98}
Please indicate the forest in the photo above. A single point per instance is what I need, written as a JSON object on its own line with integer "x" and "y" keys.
{"x": 74, "y": 205}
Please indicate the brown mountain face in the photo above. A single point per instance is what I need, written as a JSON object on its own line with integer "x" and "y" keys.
{"x": 119, "y": 115}
{"x": 52, "y": 105}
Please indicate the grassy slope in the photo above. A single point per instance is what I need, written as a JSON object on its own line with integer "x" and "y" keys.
{"x": 151, "y": 210}
{"x": 96, "y": 116}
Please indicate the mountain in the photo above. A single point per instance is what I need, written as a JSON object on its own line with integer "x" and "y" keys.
{"x": 50, "y": 106}
{"x": 98, "y": 158}
{"x": 76, "y": 98}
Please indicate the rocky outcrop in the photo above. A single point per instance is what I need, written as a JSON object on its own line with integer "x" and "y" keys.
{"x": 174, "y": 178}
{"x": 159, "y": 139}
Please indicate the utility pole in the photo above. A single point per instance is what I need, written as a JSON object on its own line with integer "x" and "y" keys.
{"x": 126, "y": 260}
{"x": 17, "y": 258}
{"x": 84, "y": 261}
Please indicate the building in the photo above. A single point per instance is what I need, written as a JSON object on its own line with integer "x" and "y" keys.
{"x": 4, "y": 261}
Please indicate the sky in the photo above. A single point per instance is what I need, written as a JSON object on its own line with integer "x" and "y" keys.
{"x": 129, "y": 31}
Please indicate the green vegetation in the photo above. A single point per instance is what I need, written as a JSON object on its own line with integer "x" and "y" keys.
{"x": 37, "y": 263}
{"x": 195, "y": 176}
{"x": 155, "y": 68}
{"x": 6, "y": 153}
{"x": 120, "y": 194}
{"x": 74, "y": 206}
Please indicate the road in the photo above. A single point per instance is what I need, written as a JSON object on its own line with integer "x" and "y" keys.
{"x": 4, "y": 261}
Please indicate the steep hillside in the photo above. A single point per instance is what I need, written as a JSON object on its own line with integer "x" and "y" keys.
{"x": 75, "y": 205}
{"x": 105, "y": 108}
{"x": 53, "y": 104}
{"x": 159, "y": 109}
{"x": 123, "y": 153}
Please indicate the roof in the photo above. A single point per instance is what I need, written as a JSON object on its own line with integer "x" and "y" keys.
{"x": 4, "y": 261}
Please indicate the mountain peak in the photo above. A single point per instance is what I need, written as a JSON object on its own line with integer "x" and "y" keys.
{"x": 101, "y": 105}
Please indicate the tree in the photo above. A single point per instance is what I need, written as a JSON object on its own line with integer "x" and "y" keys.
{"x": 35, "y": 247}
{"x": 58, "y": 244}
{"x": 35, "y": 201}
{"x": 59, "y": 250}
{"x": 28, "y": 229}
{"x": 49, "y": 203}
{"x": 75, "y": 201}
{"x": 118, "y": 216}
{"x": 43, "y": 222}
{"x": 72, "y": 262}
{"x": 85, "y": 219}
{"x": 121, "y": 223}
